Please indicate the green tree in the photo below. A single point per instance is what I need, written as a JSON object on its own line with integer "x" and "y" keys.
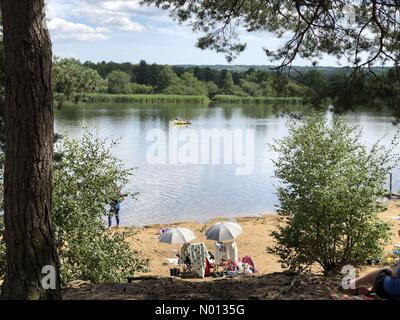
{"x": 72, "y": 80}
{"x": 163, "y": 77}
{"x": 85, "y": 181}
{"x": 212, "y": 89}
{"x": 119, "y": 82}
{"x": 317, "y": 87}
{"x": 3, "y": 258}
{"x": 227, "y": 84}
{"x": 2, "y": 98}
{"x": 191, "y": 82}
{"x": 294, "y": 89}
{"x": 187, "y": 85}
{"x": 330, "y": 196}
{"x": 251, "y": 88}
{"x": 365, "y": 32}
{"x": 136, "y": 88}
{"x": 143, "y": 73}
{"x": 29, "y": 138}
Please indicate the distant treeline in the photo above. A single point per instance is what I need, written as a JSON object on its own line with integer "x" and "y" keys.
{"x": 314, "y": 85}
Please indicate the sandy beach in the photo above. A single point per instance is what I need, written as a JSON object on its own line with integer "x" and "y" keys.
{"x": 254, "y": 240}
{"x": 271, "y": 282}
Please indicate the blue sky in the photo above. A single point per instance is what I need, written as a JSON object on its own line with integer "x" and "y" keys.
{"x": 122, "y": 30}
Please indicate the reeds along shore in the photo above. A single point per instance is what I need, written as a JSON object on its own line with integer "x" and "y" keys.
{"x": 143, "y": 98}
{"x": 176, "y": 99}
{"x": 256, "y": 100}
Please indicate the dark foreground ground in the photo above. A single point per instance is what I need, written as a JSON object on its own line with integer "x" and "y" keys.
{"x": 270, "y": 286}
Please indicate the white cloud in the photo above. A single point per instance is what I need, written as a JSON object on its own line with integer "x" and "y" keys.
{"x": 119, "y": 5}
{"x": 82, "y": 20}
{"x": 122, "y": 23}
{"x": 177, "y": 31}
{"x": 62, "y": 29}
{"x": 106, "y": 14}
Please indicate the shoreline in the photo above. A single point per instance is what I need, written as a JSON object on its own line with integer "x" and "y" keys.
{"x": 160, "y": 98}
{"x": 254, "y": 240}
{"x": 270, "y": 283}
{"x": 205, "y": 221}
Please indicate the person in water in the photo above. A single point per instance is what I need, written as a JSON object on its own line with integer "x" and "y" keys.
{"x": 114, "y": 211}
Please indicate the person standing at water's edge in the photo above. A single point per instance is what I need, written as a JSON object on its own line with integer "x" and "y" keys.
{"x": 114, "y": 211}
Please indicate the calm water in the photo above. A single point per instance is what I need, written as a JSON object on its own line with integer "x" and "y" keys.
{"x": 170, "y": 193}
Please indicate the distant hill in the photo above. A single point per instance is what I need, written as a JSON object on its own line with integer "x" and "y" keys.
{"x": 301, "y": 69}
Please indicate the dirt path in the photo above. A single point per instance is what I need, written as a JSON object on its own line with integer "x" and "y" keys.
{"x": 270, "y": 286}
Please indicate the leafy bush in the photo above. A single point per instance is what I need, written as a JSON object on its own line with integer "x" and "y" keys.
{"x": 187, "y": 85}
{"x": 251, "y": 88}
{"x": 136, "y": 88}
{"x": 212, "y": 89}
{"x": 85, "y": 181}
{"x": 119, "y": 82}
{"x": 330, "y": 196}
{"x": 71, "y": 77}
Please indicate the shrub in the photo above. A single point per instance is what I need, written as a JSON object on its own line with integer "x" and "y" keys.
{"x": 330, "y": 196}
{"x": 136, "y": 88}
{"x": 187, "y": 85}
{"x": 71, "y": 77}
{"x": 251, "y": 88}
{"x": 119, "y": 82}
{"x": 212, "y": 89}
{"x": 85, "y": 181}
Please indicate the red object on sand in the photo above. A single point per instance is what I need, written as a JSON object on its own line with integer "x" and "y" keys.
{"x": 208, "y": 268}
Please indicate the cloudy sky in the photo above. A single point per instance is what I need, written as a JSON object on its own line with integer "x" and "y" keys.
{"x": 122, "y": 30}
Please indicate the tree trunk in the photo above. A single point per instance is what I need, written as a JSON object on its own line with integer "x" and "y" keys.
{"x": 29, "y": 152}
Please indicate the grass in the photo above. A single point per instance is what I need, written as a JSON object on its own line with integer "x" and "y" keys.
{"x": 179, "y": 99}
{"x": 143, "y": 98}
{"x": 256, "y": 100}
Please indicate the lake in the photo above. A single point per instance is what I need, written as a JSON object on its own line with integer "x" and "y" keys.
{"x": 181, "y": 192}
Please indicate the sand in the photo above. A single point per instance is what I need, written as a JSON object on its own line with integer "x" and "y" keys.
{"x": 254, "y": 240}
{"x": 271, "y": 283}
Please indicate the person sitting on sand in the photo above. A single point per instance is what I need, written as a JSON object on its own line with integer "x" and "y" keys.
{"x": 386, "y": 283}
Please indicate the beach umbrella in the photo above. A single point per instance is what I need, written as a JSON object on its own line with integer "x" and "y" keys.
{"x": 224, "y": 231}
{"x": 177, "y": 236}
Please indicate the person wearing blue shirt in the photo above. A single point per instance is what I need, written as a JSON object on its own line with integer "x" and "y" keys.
{"x": 391, "y": 284}
{"x": 386, "y": 283}
{"x": 114, "y": 211}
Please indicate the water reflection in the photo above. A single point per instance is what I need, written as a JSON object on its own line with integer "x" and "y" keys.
{"x": 198, "y": 192}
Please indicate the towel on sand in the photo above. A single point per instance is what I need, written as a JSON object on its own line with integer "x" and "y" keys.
{"x": 197, "y": 254}
{"x": 226, "y": 251}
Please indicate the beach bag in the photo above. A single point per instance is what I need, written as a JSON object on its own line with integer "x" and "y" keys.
{"x": 232, "y": 265}
{"x": 249, "y": 261}
{"x": 208, "y": 271}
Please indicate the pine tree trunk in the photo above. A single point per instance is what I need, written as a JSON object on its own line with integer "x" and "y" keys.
{"x": 29, "y": 151}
